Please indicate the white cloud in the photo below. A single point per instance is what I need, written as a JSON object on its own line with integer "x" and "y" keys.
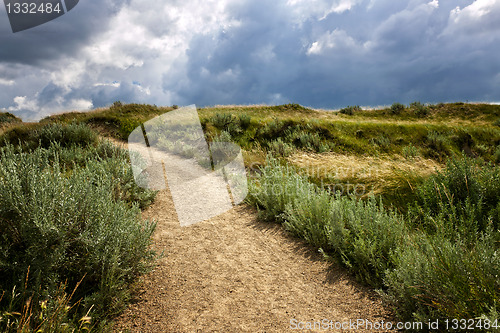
{"x": 30, "y": 109}
{"x": 112, "y": 84}
{"x": 479, "y": 17}
{"x": 265, "y": 54}
{"x": 434, "y": 3}
{"x": 476, "y": 10}
{"x": 79, "y": 104}
{"x": 6, "y": 82}
{"x": 22, "y": 103}
{"x": 337, "y": 39}
{"x": 319, "y": 9}
{"x": 407, "y": 28}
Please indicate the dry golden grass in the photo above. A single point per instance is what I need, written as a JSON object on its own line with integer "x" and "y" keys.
{"x": 378, "y": 174}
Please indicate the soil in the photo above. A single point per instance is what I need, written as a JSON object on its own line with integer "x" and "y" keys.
{"x": 235, "y": 273}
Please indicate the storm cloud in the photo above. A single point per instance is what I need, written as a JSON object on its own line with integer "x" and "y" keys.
{"x": 324, "y": 54}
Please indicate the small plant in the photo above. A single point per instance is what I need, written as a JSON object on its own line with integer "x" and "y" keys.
{"x": 361, "y": 234}
{"x": 65, "y": 222}
{"x": 73, "y": 134}
{"x": 227, "y": 122}
{"x": 224, "y": 136}
{"x": 410, "y": 151}
{"x": 381, "y": 141}
{"x": 397, "y": 108}
{"x": 496, "y": 123}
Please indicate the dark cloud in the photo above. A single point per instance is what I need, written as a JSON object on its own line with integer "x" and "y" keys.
{"x": 59, "y": 38}
{"x": 403, "y": 57}
{"x": 318, "y": 53}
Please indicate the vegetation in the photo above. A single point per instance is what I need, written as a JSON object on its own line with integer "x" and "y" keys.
{"x": 406, "y": 197}
{"x": 438, "y": 261}
{"x": 8, "y": 118}
{"x": 72, "y": 240}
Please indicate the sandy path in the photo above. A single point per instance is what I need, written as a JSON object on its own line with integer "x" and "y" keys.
{"x": 234, "y": 273}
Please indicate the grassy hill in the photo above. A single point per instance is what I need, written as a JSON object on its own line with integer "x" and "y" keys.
{"x": 427, "y": 175}
{"x": 403, "y": 143}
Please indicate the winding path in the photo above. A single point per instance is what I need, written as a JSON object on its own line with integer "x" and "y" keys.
{"x": 234, "y": 273}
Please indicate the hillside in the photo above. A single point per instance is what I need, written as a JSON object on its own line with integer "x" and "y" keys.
{"x": 381, "y": 194}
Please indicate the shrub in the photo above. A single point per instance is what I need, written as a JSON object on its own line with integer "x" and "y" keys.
{"x": 463, "y": 140}
{"x": 462, "y": 199}
{"x": 397, "y": 108}
{"x": 227, "y": 122}
{"x": 222, "y": 121}
{"x": 73, "y": 134}
{"x": 349, "y": 110}
{"x": 362, "y": 235}
{"x": 67, "y": 225}
{"x": 223, "y": 137}
{"x": 381, "y": 141}
{"x": 6, "y": 117}
{"x": 496, "y": 123}
{"x": 439, "y": 278}
{"x": 496, "y": 155}
{"x": 245, "y": 121}
{"x": 311, "y": 141}
{"x": 127, "y": 126}
{"x": 275, "y": 188}
{"x": 116, "y": 105}
{"x": 280, "y": 148}
{"x": 448, "y": 268}
{"x": 419, "y": 109}
{"x": 438, "y": 142}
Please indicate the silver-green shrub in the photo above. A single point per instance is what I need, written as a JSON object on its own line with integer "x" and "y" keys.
{"x": 63, "y": 224}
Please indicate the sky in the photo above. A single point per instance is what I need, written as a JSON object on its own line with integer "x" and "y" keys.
{"x": 318, "y": 53}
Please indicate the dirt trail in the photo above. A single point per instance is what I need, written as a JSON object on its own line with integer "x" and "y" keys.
{"x": 234, "y": 273}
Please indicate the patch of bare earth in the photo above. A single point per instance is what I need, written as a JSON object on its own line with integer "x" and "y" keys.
{"x": 234, "y": 273}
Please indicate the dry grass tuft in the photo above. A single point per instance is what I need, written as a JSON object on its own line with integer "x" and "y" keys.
{"x": 378, "y": 174}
